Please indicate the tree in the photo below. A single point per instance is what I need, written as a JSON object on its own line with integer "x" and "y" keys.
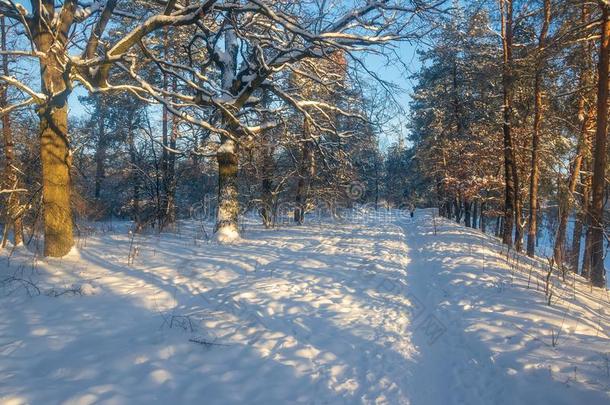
{"x": 538, "y": 106}
{"x": 600, "y": 152}
{"x": 230, "y": 85}
{"x": 51, "y": 29}
{"x": 11, "y": 181}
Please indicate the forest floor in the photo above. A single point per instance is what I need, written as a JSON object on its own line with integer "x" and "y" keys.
{"x": 419, "y": 311}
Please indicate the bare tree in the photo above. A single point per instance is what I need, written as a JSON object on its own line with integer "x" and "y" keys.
{"x": 11, "y": 181}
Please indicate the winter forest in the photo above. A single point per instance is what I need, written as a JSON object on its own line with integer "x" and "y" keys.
{"x": 315, "y": 201}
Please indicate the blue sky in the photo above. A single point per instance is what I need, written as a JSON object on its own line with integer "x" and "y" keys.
{"x": 392, "y": 71}
{"x": 397, "y": 72}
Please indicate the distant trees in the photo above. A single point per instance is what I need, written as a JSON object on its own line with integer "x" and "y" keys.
{"x": 540, "y": 97}
{"x": 455, "y": 115}
{"x": 215, "y": 76}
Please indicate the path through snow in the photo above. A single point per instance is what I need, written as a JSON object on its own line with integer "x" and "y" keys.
{"x": 330, "y": 313}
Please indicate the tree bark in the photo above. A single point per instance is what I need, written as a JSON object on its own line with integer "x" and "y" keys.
{"x": 267, "y": 186}
{"x": 13, "y": 217}
{"x": 169, "y": 181}
{"x": 467, "y": 213}
{"x": 100, "y": 152}
{"x": 164, "y": 155}
{"x": 509, "y": 164}
{"x": 581, "y": 219}
{"x": 587, "y": 121}
{"x": 458, "y": 209}
{"x": 226, "y": 229}
{"x": 135, "y": 177}
{"x": 56, "y": 164}
{"x": 586, "y": 260}
{"x": 54, "y": 143}
{"x": 566, "y": 203}
{"x": 482, "y": 221}
{"x": 499, "y": 226}
{"x": 475, "y": 214}
{"x": 599, "y": 165}
{"x": 306, "y": 173}
{"x": 535, "y": 175}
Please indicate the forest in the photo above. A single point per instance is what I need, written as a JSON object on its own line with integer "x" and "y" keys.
{"x": 304, "y": 201}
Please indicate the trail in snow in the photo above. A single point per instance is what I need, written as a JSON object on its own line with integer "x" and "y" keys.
{"x": 498, "y": 347}
{"x": 335, "y": 313}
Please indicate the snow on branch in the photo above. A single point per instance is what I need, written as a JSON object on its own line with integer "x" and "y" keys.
{"x": 38, "y": 98}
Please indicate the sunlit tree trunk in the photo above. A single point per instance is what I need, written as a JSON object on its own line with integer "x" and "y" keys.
{"x": 228, "y": 203}
{"x": 535, "y": 175}
{"x": 510, "y": 175}
{"x": 227, "y": 155}
{"x": 581, "y": 219}
{"x": 600, "y": 154}
{"x": 13, "y": 217}
{"x": 567, "y": 201}
{"x": 54, "y": 143}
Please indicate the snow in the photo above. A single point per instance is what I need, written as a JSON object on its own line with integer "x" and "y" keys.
{"x": 364, "y": 312}
{"x": 227, "y": 146}
{"x": 227, "y": 234}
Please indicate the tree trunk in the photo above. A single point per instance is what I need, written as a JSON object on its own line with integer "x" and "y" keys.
{"x": 586, "y": 259}
{"x": 170, "y": 177}
{"x": 56, "y": 163}
{"x": 467, "y": 213}
{"x": 376, "y": 183}
{"x": 169, "y": 180}
{"x": 482, "y": 218}
{"x": 458, "y": 209}
{"x": 226, "y": 229}
{"x": 267, "y": 186}
{"x": 135, "y": 177}
{"x": 55, "y": 147}
{"x": 587, "y": 119}
{"x": 13, "y": 217}
{"x": 306, "y": 173}
{"x": 475, "y": 214}
{"x": 535, "y": 175}
{"x": 228, "y": 203}
{"x": 100, "y": 152}
{"x": 164, "y": 162}
{"x": 509, "y": 164}
{"x": 599, "y": 165}
{"x": 519, "y": 225}
{"x": 581, "y": 219}
{"x": 500, "y": 226}
{"x": 566, "y": 204}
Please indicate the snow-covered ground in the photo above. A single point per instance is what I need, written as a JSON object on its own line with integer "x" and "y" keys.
{"x": 368, "y": 312}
